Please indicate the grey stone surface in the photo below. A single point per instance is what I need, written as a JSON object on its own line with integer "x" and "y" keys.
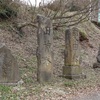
{"x": 44, "y": 50}
{"x": 9, "y": 71}
{"x": 97, "y": 64}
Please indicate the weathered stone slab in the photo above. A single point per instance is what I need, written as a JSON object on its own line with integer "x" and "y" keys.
{"x": 9, "y": 72}
{"x": 72, "y": 67}
{"x": 44, "y": 50}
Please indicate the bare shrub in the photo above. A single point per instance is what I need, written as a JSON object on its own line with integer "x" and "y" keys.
{"x": 8, "y": 8}
{"x": 59, "y": 11}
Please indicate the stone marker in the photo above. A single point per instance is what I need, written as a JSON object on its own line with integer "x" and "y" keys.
{"x": 72, "y": 69}
{"x": 9, "y": 72}
{"x": 97, "y": 64}
{"x": 44, "y": 50}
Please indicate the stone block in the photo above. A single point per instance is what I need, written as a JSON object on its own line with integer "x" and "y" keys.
{"x": 9, "y": 71}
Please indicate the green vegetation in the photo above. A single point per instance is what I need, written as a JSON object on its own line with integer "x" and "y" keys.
{"x": 83, "y": 35}
{"x": 4, "y": 89}
{"x": 69, "y": 83}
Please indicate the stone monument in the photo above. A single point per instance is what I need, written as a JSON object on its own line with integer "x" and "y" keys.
{"x": 44, "y": 50}
{"x": 9, "y": 71}
{"x": 72, "y": 68}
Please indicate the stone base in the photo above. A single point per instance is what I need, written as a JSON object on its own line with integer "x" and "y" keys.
{"x": 12, "y": 84}
{"x": 81, "y": 76}
{"x": 9, "y": 84}
{"x": 96, "y": 65}
{"x": 73, "y": 72}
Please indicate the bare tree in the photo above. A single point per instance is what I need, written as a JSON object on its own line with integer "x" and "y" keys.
{"x": 80, "y": 12}
{"x": 63, "y": 13}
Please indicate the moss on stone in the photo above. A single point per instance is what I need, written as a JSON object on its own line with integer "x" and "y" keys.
{"x": 83, "y": 35}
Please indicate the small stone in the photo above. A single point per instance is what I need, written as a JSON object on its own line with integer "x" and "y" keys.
{"x": 96, "y": 65}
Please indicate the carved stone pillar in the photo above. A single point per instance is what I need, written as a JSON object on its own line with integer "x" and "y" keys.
{"x": 44, "y": 50}
{"x": 72, "y": 68}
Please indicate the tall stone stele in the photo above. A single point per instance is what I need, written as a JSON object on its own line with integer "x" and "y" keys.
{"x": 44, "y": 50}
{"x": 72, "y": 68}
{"x": 9, "y": 71}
